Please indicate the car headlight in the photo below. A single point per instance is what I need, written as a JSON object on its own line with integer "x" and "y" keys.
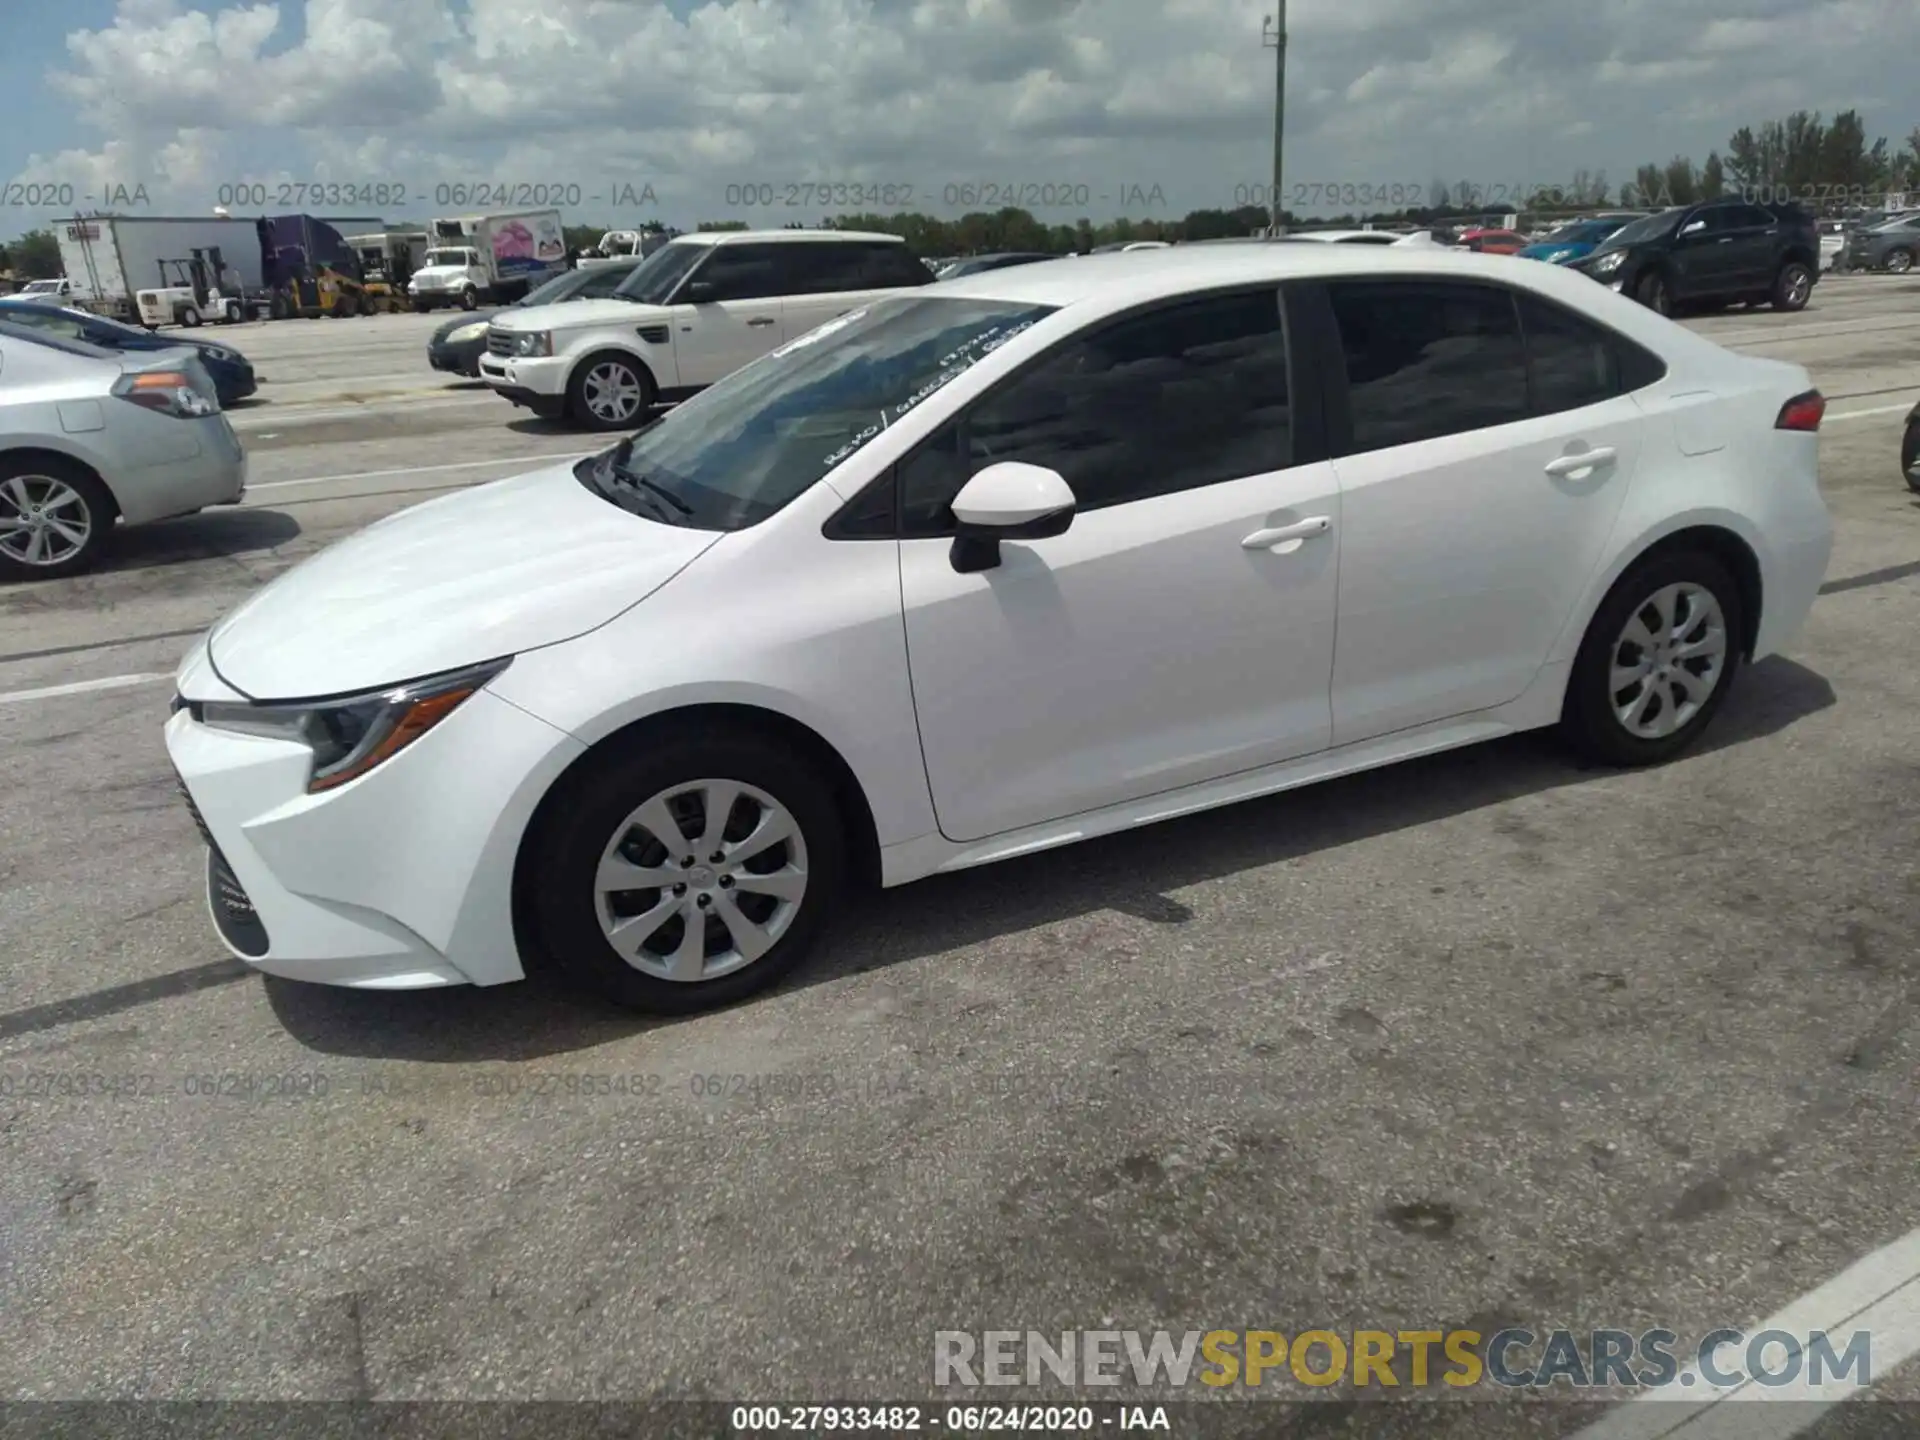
{"x": 533, "y": 342}
{"x": 467, "y": 332}
{"x": 1609, "y": 262}
{"x": 1559, "y": 257}
{"x": 353, "y": 734}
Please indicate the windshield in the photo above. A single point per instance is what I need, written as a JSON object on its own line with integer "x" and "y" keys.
{"x": 447, "y": 257}
{"x": 1583, "y": 232}
{"x": 558, "y": 288}
{"x": 41, "y": 287}
{"x": 740, "y": 451}
{"x": 652, "y": 280}
{"x": 1654, "y": 227}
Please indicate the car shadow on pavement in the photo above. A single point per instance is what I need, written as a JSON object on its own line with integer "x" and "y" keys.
{"x": 1132, "y": 873}
{"x": 204, "y": 536}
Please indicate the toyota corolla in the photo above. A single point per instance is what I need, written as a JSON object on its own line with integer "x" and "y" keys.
{"x": 985, "y": 568}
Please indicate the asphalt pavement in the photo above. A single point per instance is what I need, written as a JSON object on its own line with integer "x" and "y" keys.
{"x": 1478, "y": 1040}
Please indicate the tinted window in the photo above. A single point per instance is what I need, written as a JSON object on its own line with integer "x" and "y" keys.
{"x": 1654, "y": 227}
{"x": 1184, "y": 396}
{"x": 654, "y": 279}
{"x": 822, "y": 268}
{"x": 745, "y": 272}
{"x": 1427, "y": 359}
{"x": 885, "y": 266}
{"x": 601, "y": 281}
{"x": 1570, "y": 362}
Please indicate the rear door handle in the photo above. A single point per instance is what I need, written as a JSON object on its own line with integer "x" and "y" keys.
{"x": 759, "y": 320}
{"x": 1287, "y": 535}
{"x": 1585, "y": 460}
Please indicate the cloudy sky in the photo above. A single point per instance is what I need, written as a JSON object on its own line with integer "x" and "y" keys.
{"x": 1141, "y": 106}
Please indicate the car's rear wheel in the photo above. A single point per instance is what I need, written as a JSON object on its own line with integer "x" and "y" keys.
{"x": 1792, "y": 287}
{"x": 1654, "y": 293}
{"x": 1656, "y": 662}
{"x": 55, "y": 516}
{"x": 469, "y": 298}
{"x": 686, "y": 873}
{"x": 1900, "y": 261}
{"x": 190, "y": 317}
{"x": 609, "y": 392}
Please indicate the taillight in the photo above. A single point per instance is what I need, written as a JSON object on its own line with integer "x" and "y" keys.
{"x": 1803, "y": 412}
{"x": 170, "y": 392}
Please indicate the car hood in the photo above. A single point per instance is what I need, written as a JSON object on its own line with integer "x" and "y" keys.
{"x": 468, "y": 578}
{"x": 580, "y": 315}
{"x": 464, "y": 319}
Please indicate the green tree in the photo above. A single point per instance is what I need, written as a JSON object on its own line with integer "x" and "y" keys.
{"x": 35, "y": 256}
{"x": 713, "y": 225}
{"x": 1713, "y": 177}
{"x": 1680, "y": 181}
{"x": 581, "y": 238}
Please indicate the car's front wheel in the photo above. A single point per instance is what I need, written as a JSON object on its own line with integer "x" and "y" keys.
{"x": 685, "y": 873}
{"x": 1656, "y": 662}
{"x": 55, "y": 516}
{"x": 1899, "y": 261}
{"x": 609, "y": 392}
{"x": 1653, "y": 292}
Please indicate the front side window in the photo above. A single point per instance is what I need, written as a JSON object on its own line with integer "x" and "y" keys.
{"x": 1173, "y": 399}
{"x": 1427, "y": 359}
{"x": 601, "y": 281}
{"x": 740, "y": 451}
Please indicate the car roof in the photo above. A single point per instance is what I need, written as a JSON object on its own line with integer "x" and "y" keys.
{"x": 47, "y": 340}
{"x": 763, "y": 237}
{"x": 1147, "y": 273}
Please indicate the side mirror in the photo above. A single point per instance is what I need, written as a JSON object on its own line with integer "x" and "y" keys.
{"x": 1007, "y": 501}
{"x": 700, "y": 292}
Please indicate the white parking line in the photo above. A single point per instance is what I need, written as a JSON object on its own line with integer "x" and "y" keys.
{"x": 1863, "y": 414}
{"x": 425, "y": 469}
{"x": 80, "y": 687}
{"x": 1880, "y": 1294}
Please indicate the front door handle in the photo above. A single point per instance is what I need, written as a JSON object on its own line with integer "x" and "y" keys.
{"x": 1288, "y": 536}
{"x": 1584, "y": 461}
{"x": 759, "y": 320}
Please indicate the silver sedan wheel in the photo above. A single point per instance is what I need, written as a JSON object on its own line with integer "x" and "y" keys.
{"x": 612, "y": 392}
{"x": 1668, "y": 660}
{"x": 43, "y": 520}
{"x": 702, "y": 880}
{"x": 1899, "y": 262}
{"x": 1799, "y": 286}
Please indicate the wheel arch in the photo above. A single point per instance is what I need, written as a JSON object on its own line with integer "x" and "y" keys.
{"x": 1710, "y": 534}
{"x": 863, "y": 851}
{"x": 42, "y": 449}
{"x": 600, "y": 349}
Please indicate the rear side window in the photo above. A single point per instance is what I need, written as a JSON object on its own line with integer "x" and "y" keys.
{"x": 1573, "y": 362}
{"x": 885, "y": 266}
{"x": 1428, "y": 359}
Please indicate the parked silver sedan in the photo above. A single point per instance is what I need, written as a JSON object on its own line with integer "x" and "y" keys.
{"x": 91, "y": 437}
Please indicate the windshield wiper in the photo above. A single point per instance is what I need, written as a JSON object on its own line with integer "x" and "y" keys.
{"x": 618, "y": 467}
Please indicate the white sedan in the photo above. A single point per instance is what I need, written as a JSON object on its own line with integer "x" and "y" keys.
{"x": 994, "y": 566}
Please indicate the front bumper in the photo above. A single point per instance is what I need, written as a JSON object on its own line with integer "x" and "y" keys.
{"x": 398, "y": 880}
{"x": 534, "y": 376}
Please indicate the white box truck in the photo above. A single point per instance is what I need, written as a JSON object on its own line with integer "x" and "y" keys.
{"x": 488, "y": 259}
{"x": 111, "y": 258}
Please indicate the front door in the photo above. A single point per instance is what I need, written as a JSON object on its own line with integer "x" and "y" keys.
{"x": 736, "y": 317}
{"x": 1168, "y": 637}
{"x": 1476, "y": 507}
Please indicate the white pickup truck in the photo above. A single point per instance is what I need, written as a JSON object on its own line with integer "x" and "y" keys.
{"x": 693, "y": 312}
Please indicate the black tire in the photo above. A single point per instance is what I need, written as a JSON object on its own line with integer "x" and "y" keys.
{"x": 581, "y": 411}
{"x": 1652, "y": 291}
{"x": 232, "y": 312}
{"x": 421, "y": 307}
{"x": 1910, "y": 456}
{"x": 278, "y": 308}
{"x": 562, "y": 854}
{"x": 1899, "y": 260}
{"x": 1792, "y": 287}
{"x": 94, "y": 498}
{"x": 1587, "y": 718}
{"x": 469, "y": 300}
{"x": 190, "y": 317}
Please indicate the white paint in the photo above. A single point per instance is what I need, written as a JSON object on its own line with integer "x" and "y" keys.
{"x": 80, "y": 687}
{"x": 532, "y": 460}
{"x": 1879, "y": 1294}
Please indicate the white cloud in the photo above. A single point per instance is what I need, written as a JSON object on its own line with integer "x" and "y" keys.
{"x": 185, "y": 97}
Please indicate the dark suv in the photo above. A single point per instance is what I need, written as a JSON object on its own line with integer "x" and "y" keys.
{"x": 1714, "y": 253}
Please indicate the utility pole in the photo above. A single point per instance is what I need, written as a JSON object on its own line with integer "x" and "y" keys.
{"x": 1273, "y": 33}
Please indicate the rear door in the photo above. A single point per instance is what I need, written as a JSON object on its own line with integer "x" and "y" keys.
{"x": 1481, "y": 468}
{"x": 1751, "y": 241}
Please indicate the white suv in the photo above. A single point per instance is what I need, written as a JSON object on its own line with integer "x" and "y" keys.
{"x": 695, "y": 311}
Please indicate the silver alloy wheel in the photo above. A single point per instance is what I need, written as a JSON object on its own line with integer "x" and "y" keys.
{"x": 1668, "y": 660}
{"x": 612, "y": 392}
{"x": 1900, "y": 261}
{"x": 1799, "y": 286}
{"x": 700, "y": 881}
{"x": 43, "y": 520}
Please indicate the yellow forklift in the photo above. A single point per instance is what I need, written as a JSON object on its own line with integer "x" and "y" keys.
{"x": 387, "y": 261}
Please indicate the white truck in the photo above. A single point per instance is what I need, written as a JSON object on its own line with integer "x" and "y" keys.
{"x": 111, "y": 258}
{"x": 491, "y": 259}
